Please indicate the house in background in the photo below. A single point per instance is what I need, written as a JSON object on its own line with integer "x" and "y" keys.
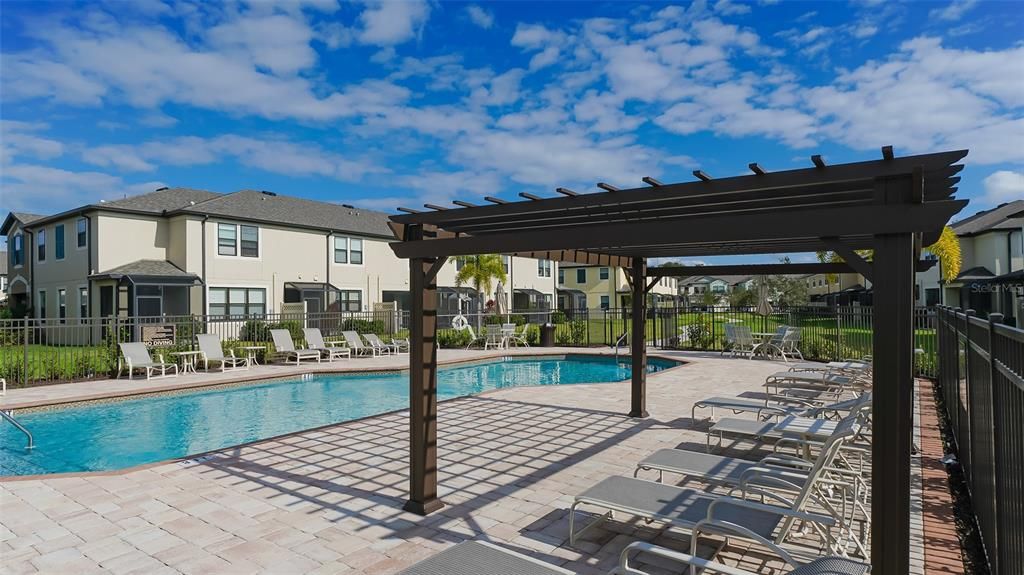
{"x": 601, "y": 287}
{"x": 992, "y": 252}
{"x": 3, "y": 278}
{"x": 180, "y": 251}
{"x": 692, "y": 289}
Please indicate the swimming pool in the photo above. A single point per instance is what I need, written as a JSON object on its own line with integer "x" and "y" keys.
{"x": 125, "y": 433}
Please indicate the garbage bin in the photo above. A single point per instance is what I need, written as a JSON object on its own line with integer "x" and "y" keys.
{"x": 547, "y": 335}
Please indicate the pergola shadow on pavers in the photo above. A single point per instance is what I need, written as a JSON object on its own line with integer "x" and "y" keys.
{"x": 893, "y": 206}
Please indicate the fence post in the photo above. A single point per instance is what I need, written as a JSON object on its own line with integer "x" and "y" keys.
{"x": 24, "y": 374}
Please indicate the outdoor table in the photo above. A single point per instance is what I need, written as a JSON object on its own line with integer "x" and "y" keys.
{"x": 807, "y": 429}
{"x": 250, "y": 354}
{"x": 188, "y": 360}
{"x": 763, "y": 337}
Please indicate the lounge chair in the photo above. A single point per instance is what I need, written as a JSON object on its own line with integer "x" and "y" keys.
{"x": 379, "y": 347}
{"x": 315, "y": 340}
{"x": 744, "y": 342}
{"x": 136, "y": 356}
{"x": 831, "y": 565}
{"x": 355, "y": 343}
{"x": 519, "y": 338}
{"x": 694, "y": 510}
{"x": 284, "y": 345}
{"x": 482, "y": 558}
{"x": 211, "y": 350}
{"x": 786, "y": 405}
{"x": 401, "y": 345}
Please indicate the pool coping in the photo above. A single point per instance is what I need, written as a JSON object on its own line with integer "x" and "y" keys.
{"x": 193, "y": 459}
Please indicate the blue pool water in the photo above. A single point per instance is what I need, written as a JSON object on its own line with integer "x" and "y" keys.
{"x": 122, "y": 434}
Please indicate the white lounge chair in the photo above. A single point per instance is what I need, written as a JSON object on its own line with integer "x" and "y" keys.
{"x": 136, "y": 356}
{"x": 378, "y": 346}
{"x": 211, "y": 350}
{"x": 356, "y": 344}
{"x": 519, "y": 338}
{"x": 831, "y": 565}
{"x": 401, "y": 345}
{"x": 794, "y": 404}
{"x": 284, "y": 345}
{"x": 315, "y": 340}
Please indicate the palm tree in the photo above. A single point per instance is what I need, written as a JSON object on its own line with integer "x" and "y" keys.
{"x": 480, "y": 272}
{"x": 947, "y": 249}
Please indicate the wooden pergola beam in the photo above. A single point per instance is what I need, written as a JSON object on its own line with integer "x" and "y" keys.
{"x": 765, "y": 269}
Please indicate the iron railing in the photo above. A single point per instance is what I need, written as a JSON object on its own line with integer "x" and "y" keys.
{"x": 981, "y": 375}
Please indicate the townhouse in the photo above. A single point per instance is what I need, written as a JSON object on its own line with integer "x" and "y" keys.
{"x": 602, "y": 287}
{"x": 692, "y": 289}
{"x": 179, "y": 251}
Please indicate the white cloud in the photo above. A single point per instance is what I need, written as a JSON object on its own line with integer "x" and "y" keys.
{"x": 536, "y": 38}
{"x": 480, "y": 17}
{"x": 44, "y": 188}
{"x": 727, "y": 8}
{"x": 953, "y": 11}
{"x": 18, "y": 139}
{"x": 276, "y": 42}
{"x": 1004, "y": 186}
{"x": 387, "y": 23}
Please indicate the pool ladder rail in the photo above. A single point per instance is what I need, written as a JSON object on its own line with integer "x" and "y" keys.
{"x": 618, "y": 342}
{"x": 6, "y": 414}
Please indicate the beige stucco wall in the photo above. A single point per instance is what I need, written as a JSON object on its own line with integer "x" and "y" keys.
{"x": 53, "y": 275}
{"x": 123, "y": 238}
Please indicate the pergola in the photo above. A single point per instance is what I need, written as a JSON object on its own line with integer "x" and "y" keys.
{"x": 893, "y": 206}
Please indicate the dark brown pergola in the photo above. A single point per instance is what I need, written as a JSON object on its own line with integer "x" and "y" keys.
{"x": 892, "y": 205}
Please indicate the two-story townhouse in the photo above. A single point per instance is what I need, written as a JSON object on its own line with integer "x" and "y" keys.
{"x": 992, "y": 256}
{"x": 693, "y": 289}
{"x": 181, "y": 251}
{"x": 605, "y": 287}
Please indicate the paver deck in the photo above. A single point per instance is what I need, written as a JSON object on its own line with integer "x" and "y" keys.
{"x": 329, "y": 501}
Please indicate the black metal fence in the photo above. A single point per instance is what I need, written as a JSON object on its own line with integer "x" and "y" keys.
{"x": 981, "y": 374}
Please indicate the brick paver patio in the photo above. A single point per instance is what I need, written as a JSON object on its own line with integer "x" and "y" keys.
{"x": 329, "y": 500}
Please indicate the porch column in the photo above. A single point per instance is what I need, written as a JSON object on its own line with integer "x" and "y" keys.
{"x": 638, "y": 341}
{"x": 892, "y": 402}
{"x": 423, "y": 389}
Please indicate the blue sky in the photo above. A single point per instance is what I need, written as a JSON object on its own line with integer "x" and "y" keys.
{"x": 401, "y": 103}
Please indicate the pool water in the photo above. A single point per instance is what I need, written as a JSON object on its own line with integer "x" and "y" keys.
{"x": 121, "y": 434}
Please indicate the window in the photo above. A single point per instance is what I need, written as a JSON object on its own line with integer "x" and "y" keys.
{"x": 581, "y": 275}
{"x": 226, "y": 245}
{"x": 603, "y": 273}
{"x": 561, "y": 276}
{"x": 506, "y": 263}
{"x": 81, "y": 227}
{"x": 238, "y": 301}
{"x": 42, "y": 304}
{"x": 18, "y": 253}
{"x": 604, "y": 302}
{"x": 350, "y": 251}
{"x": 83, "y": 303}
{"x": 41, "y": 243}
{"x": 250, "y": 241}
{"x": 544, "y": 268}
{"x": 62, "y": 304}
{"x": 58, "y": 241}
{"x": 351, "y": 300}
{"x": 459, "y": 263}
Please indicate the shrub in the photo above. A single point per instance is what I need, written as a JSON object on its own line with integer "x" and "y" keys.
{"x": 558, "y": 316}
{"x": 254, "y": 330}
{"x": 362, "y": 326}
{"x": 578, "y": 332}
{"x": 533, "y": 334}
{"x": 453, "y": 338}
{"x": 699, "y": 333}
{"x": 293, "y": 326}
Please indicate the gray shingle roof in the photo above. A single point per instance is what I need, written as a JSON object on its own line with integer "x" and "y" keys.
{"x": 977, "y": 272}
{"x": 160, "y": 201}
{"x": 261, "y": 206}
{"x": 996, "y": 218}
{"x": 26, "y": 218}
{"x": 151, "y": 268}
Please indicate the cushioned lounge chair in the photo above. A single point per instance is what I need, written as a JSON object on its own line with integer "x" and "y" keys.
{"x": 210, "y": 346}
{"x": 136, "y": 356}
{"x": 315, "y": 340}
{"x": 284, "y": 345}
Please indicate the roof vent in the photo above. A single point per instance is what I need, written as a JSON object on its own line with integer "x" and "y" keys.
{"x": 191, "y": 202}
{"x": 266, "y": 193}
{"x": 162, "y": 188}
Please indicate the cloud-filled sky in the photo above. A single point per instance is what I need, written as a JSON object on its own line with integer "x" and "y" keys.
{"x": 384, "y": 104}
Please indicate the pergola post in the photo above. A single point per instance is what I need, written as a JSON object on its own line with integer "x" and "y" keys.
{"x": 423, "y": 387}
{"x": 892, "y": 400}
{"x": 638, "y": 340}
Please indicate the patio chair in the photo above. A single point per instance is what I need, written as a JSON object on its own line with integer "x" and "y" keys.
{"x": 493, "y": 338}
{"x": 212, "y": 350}
{"x": 401, "y": 345}
{"x": 744, "y": 342}
{"x": 136, "y": 356}
{"x": 379, "y": 347}
{"x": 355, "y": 343}
{"x": 790, "y": 344}
{"x": 831, "y": 565}
{"x": 773, "y": 347}
{"x": 729, "y": 337}
{"x": 519, "y": 337}
{"x": 825, "y": 382}
{"x": 315, "y": 340}
{"x": 797, "y": 403}
{"x": 284, "y": 346}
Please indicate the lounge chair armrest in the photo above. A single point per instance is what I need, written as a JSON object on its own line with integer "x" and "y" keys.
{"x": 786, "y": 460}
{"x": 772, "y": 472}
{"x": 815, "y": 517}
{"x": 684, "y": 558}
{"x": 336, "y": 343}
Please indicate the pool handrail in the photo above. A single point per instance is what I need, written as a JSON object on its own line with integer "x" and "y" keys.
{"x": 6, "y": 414}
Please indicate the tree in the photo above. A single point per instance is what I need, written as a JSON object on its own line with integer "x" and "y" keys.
{"x": 785, "y": 290}
{"x": 480, "y": 272}
{"x": 709, "y": 298}
{"x": 742, "y": 297}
